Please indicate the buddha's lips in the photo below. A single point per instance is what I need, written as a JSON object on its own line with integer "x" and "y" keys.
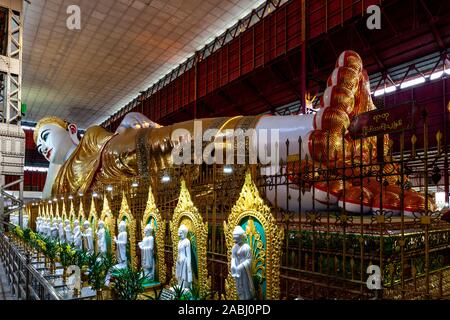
{"x": 49, "y": 153}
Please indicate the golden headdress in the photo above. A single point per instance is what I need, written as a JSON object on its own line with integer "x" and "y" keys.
{"x": 49, "y": 120}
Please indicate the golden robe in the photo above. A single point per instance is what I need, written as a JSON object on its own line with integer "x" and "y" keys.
{"x": 104, "y": 158}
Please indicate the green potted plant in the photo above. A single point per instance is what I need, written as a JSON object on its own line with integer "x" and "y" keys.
{"x": 51, "y": 253}
{"x": 81, "y": 260}
{"x": 99, "y": 266}
{"x": 66, "y": 258}
{"x": 128, "y": 284}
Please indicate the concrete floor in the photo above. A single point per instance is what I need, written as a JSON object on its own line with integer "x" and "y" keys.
{"x": 5, "y": 288}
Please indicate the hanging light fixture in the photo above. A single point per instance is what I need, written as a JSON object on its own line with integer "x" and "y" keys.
{"x": 228, "y": 169}
{"x": 165, "y": 178}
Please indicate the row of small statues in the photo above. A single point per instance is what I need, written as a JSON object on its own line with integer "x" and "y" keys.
{"x": 84, "y": 239}
{"x": 241, "y": 260}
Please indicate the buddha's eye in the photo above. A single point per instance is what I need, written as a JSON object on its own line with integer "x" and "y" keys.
{"x": 45, "y": 136}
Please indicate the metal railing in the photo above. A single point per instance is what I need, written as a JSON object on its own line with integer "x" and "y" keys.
{"x": 25, "y": 281}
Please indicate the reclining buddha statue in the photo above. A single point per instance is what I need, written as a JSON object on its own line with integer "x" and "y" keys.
{"x": 141, "y": 147}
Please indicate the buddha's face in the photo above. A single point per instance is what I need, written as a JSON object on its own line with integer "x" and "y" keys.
{"x": 182, "y": 233}
{"x": 238, "y": 238}
{"x": 54, "y": 142}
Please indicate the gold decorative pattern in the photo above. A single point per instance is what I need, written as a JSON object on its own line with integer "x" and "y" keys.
{"x": 125, "y": 212}
{"x": 93, "y": 216}
{"x": 81, "y": 212}
{"x": 63, "y": 212}
{"x": 56, "y": 213}
{"x": 251, "y": 205}
{"x": 186, "y": 210}
{"x": 72, "y": 214}
{"x": 50, "y": 210}
{"x": 257, "y": 247}
{"x": 151, "y": 211}
{"x": 108, "y": 218}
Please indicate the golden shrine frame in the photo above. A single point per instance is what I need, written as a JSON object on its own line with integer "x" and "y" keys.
{"x": 250, "y": 204}
{"x": 186, "y": 212}
{"x": 151, "y": 211}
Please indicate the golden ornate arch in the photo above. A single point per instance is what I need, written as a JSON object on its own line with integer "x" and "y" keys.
{"x": 63, "y": 212}
{"x": 56, "y": 212}
{"x": 81, "y": 215}
{"x": 251, "y": 205}
{"x": 125, "y": 212}
{"x": 108, "y": 218}
{"x": 50, "y": 211}
{"x": 151, "y": 211}
{"x": 93, "y": 215}
{"x": 72, "y": 214}
{"x": 45, "y": 210}
{"x": 186, "y": 213}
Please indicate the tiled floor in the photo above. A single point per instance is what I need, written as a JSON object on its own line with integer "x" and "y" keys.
{"x": 5, "y": 289}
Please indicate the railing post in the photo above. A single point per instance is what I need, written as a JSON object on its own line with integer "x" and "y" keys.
{"x": 27, "y": 277}
{"x": 18, "y": 270}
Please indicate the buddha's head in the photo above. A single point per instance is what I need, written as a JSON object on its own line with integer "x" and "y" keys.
{"x": 76, "y": 223}
{"x": 67, "y": 222}
{"x": 54, "y": 138}
{"x": 122, "y": 226}
{"x": 86, "y": 225}
{"x": 101, "y": 224}
{"x": 182, "y": 232}
{"x": 239, "y": 235}
{"x": 148, "y": 230}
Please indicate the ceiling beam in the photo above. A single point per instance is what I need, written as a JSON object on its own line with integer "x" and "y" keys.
{"x": 259, "y": 95}
{"x": 432, "y": 23}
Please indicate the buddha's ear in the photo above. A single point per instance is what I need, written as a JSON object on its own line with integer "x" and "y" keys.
{"x": 73, "y": 132}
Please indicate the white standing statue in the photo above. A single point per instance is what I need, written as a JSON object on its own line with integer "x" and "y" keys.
{"x": 54, "y": 230}
{"x": 62, "y": 237}
{"x": 241, "y": 263}
{"x": 184, "y": 264}
{"x": 77, "y": 235}
{"x": 46, "y": 228}
{"x": 121, "y": 243}
{"x": 101, "y": 238}
{"x": 38, "y": 225}
{"x": 68, "y": 232}
{"x": 88, "y": 239}
{"x": 147, "y": 253}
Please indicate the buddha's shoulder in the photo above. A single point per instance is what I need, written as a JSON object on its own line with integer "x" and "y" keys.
{"x": 96, "y": 135}
{"x": 94, "y": 130}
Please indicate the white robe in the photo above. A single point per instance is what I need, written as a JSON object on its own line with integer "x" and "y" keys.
{"x": 241, "y": 263}
{"x": 54, "y": 231}
{"x": 88, "y": 241}
{"x": 184, "y": 264}
{"x": 121, "y": 243}
{"x": 77, "y": 238}
{"x": 46, "y": 229}
{"x": 62, "y": 237}
{"x": 101, "y": 241}
{"x": 69, "y": 235}
{"x": 147, "y": 256}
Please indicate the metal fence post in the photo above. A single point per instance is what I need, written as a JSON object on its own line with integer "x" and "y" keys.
{"x": 27, "y": 277}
